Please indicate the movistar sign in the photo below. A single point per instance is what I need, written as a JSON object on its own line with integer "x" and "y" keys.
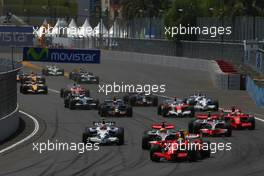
{"x": 61, "y": 55}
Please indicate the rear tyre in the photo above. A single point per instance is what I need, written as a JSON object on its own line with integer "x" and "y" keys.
{"x": 192, "y": 155}
{"x": 121, "y": 136}
{"x": 145, "y": 142}
{"x": 129, "y": 112}
{"x": 206, "y": 153}
{"x": 252, "y": 120}
{"x": 155, "y": 101}
{"x": 153, "y": 150}
{"x": 229, "y": 130}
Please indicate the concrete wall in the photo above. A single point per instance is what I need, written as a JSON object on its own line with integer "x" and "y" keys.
{"x": 9, "y": 125}
{"x": 9, "y": 119}
{"x": 220, "y": 79}
{"x": 256, "y": 92}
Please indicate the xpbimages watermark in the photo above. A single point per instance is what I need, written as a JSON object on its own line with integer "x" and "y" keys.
{"x": 56, "y": 145}
{"x": 49, "y": 30}
{"x": 212, "y": 31}
{"x": 131, "y": 88}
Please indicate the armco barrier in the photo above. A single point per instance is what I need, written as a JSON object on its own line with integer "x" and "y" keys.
{"x": 256, "y": 93}
{"x": 219, "y": 78}
{"x": 9, "y": 120}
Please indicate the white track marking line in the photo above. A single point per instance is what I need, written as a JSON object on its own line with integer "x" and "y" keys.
{"x": 259, "y": 119}
{"x": 26, "y": 138}
{"x": 54, "y": 91}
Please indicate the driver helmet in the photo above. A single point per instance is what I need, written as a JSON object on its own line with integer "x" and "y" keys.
{"x": 163, "y": 130}
{"x": 103, "y": 127}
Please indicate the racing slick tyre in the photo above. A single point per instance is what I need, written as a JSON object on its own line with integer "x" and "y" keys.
{"x": 126, "y": 99}
{"x": 145, "y": 142}
{"x": 154, "y": 149}
{"x": 155, "y": 101}
{"x": 196, "y": 128}
{"x": 190, "y": 126}
{"x": 192, "y": 111}
{"x": 66, "y": 103}
{"x": 206, "y": 153}
{"x": 44, "y": 72}
{"x": 216, "y": 103}
{"x": 85, "y": 137}
{"x": 45, "y": 91}
{"x": 102, "y": 112}
{"x": 229, "y": 130}
{"x": 132, "y": 101}
{"x": 87, "y": 93}
{"x": 62, "y": 93}
{"x": 252, "y": 121}
{"x": 159, "y": 110}
{"x": 70, "y": 75}
{"x": 71, "y": 105}
{"x": 121, "y": 136}
{"x": 193, "y": 155}
{"x": 62, "y": 72}
{"x": 97, "y": 80}
{"x": 129, "y": 112}
{"x": 164, "y": 112}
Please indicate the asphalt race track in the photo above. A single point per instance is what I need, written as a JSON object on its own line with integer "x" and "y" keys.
{"x": 57, "y": 123}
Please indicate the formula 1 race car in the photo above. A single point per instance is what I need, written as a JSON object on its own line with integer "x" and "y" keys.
{"x": 159, "y": 132}
{"x": 239, "y": 120}
{"x": 33, "y": 88}
{"x": 210, "y": 125}
{"x": 32, "y": 77}
{"x": 175, "y": 108}
{"x": 83, "y": 76}
{"x": 203, "y": 103}
{"x": 74, "y": 89}
{"x": 52, "y": 70}
{"x": 104, "y": 133}
{"x": 140, "y": 99}
{"x": 80, "y": 101}
{"x": 185, "y": 147}
{"x": 115, "y": 108}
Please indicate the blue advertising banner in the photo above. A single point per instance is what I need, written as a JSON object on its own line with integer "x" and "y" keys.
{"x": 16, "y": 36}
{"x": 61, "y": 55}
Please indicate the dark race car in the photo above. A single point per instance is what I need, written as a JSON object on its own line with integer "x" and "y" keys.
{"x": 104, "y": 133}
{"x": 74, "y": 89}
{"x": 210, "y": 125}
{"x": 184, "y": 147}
{"x": 52, "y": 70}
{"x": 33, "y": 88}
{"x": 115, "y": 108}
{"x": 239, "y": 120}
{"x": 82, "y": 76}
{"x": 141, "y": 99}
{"x": 175, "y": 108}
{"x": 80, "y": 101}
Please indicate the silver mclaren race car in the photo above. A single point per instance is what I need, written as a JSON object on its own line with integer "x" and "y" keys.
{"x": 52, "y": 70}
{"x": 203, "y": 103}
{"x": 104, "y": 133}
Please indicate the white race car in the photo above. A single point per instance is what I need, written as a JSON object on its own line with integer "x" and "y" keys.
{"x": 203, "y": 103}
{"x": 104, "y": 133}
{"x": 52, "y": 70}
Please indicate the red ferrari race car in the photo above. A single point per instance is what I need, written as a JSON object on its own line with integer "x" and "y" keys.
{"x": 175, "y": 108}
{"x": 239, "y": 120}
{"x": 210, "y": 125}
{"x": 186, "y": 147}
{"x": 74, "y": 89}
